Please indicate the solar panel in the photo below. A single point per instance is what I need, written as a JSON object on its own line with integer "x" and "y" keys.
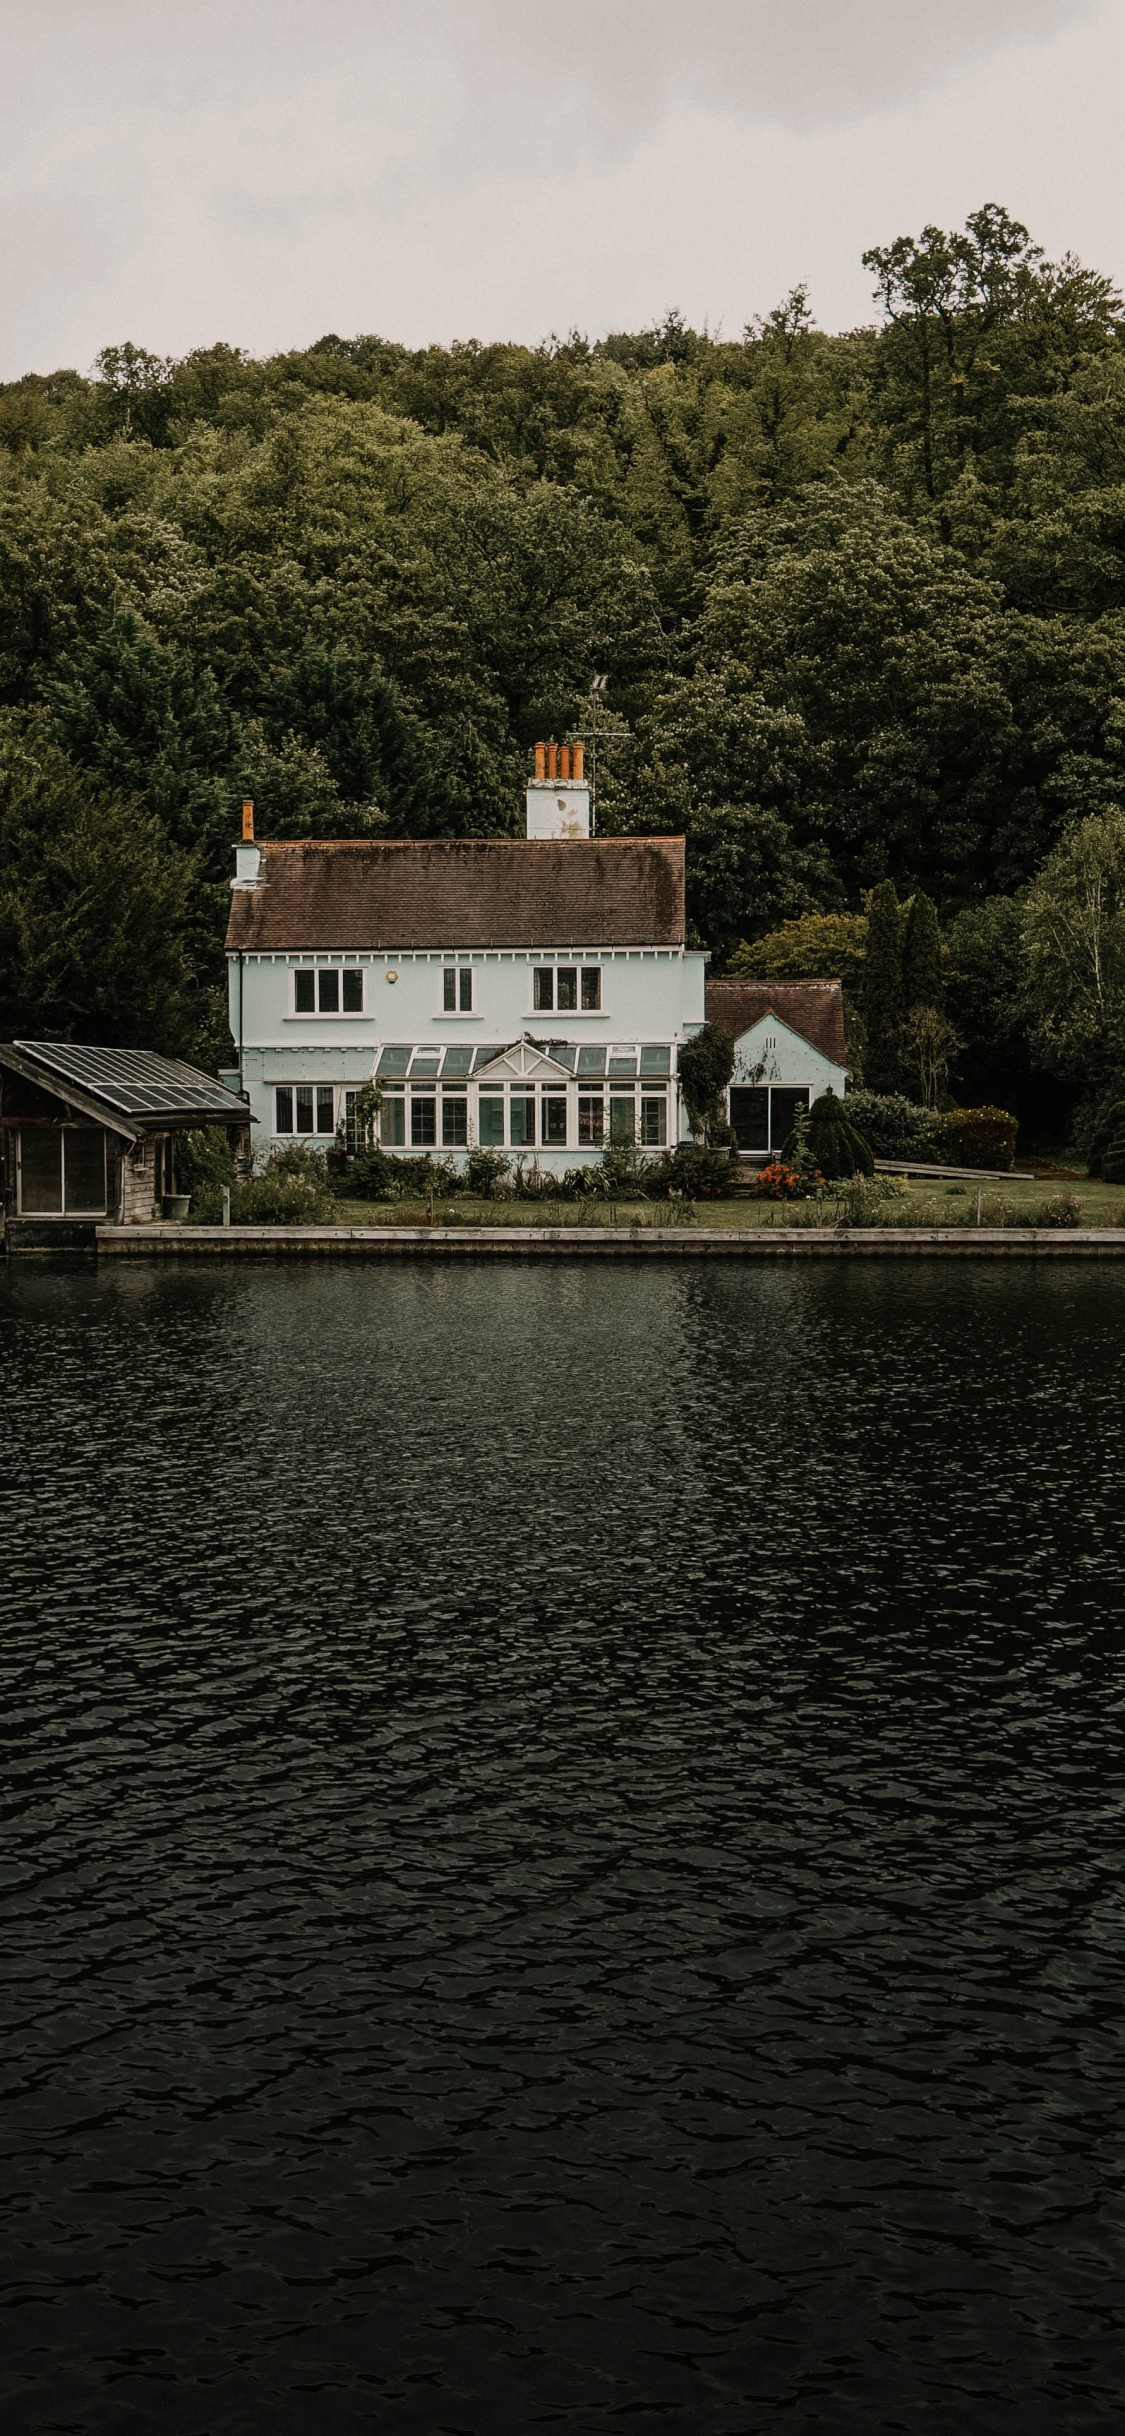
{"x": 134, "y": 1082}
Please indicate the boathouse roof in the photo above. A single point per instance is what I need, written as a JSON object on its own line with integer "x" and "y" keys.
{"x": 130, "y": 1090}
{"x": 462, "y": 892}
{"x": 815, "y": 1009}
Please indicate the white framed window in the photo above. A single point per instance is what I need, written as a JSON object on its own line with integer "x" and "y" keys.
{"x": 304, "y": 1108}
{"x": 558, "y": 988}
{"x": 457, "y": 989}
{"x": 328, "y": 989}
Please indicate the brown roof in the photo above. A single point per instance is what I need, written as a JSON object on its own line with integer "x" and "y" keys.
{"x": 815, "y": 1009}
{"x": 464, "y": 892}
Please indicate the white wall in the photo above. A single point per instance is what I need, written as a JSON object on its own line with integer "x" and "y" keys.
{"x": 648, "y": 995}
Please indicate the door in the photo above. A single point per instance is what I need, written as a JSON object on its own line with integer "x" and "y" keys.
{"x": 750, "y": 1117}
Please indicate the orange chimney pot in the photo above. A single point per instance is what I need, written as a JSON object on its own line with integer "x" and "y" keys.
{"x": 553, "y": 763}
{"x": 248, "y": 822}
{"x": 579, "y": 764}
{"x": 540, "y": 760}
{"x": 564, "y": 765}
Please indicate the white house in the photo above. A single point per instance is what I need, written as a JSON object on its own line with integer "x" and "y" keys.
{"x": 788, "y": 1047}
{"x": 529, "y": 995}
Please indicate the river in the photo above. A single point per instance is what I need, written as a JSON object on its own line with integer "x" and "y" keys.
{"x": 565, "y": 1845}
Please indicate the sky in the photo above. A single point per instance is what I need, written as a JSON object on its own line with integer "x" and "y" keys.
{"x": 263, "y": 171}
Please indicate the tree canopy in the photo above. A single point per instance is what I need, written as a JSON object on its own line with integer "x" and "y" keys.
{"x": 854, "y": 604}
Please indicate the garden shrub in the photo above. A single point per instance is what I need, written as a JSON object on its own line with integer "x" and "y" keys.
{"x": 830, "y": 1140}
{"x": 290, "y": 1189}
{"x": 204, "y": 1159}
{"x": 694, "y": 1173}
{"x": 371, "y": 1175}
{"x": 976, "y": 1137}
{"x": 1063, "y": 1209}
{"x": 485, "y": 1172}
{"x": 894, "y": 1127}
{"x": 1105, "y": 1146}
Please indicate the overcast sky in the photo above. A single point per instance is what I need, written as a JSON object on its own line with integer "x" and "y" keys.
{"x": 262, "y": 171}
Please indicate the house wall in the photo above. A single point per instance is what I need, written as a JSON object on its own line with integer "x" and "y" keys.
{"x": 649, "y": 996}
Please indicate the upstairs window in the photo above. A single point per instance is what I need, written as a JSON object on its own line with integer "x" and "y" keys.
{"x": 328, "y": 992}
{"x": 457, "y": 990}
{"x": 591, "y": 989}
{"x": 557, "y": 989}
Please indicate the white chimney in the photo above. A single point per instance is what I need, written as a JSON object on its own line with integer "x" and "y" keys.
{"x": 558, "y": 798}
{"x": 247, "y": 856}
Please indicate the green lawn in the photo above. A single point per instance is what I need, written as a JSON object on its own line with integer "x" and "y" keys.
{"x": 925, "y": 1203}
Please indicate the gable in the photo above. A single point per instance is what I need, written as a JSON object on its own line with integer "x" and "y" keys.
{"x": 525, "y": 1060}
{"x": 771, "y": 1049}
{"x": 814, "y": 1010}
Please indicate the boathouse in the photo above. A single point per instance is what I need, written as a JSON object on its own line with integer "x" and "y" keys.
{"x": 88, "y": 1135}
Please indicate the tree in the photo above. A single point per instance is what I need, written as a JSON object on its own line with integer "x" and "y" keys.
{"x": 706, "y": 1066}
{"x": 923, "y": 981}
{"x": 813, "y": 947}
{"x": 883, "y": 1003}
{"x": 1074, "y": 951}
{"x": 94, "y": 909}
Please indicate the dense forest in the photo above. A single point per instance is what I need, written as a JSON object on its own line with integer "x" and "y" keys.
{"x": 849, "y": 611}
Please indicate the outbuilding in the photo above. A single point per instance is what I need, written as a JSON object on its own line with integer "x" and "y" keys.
{"x": 789, "y": 1046}
{"x": 88, "y": 1135}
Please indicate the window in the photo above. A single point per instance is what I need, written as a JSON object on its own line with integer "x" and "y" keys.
{"x": 622, "y": 1119}
{"x": 544, "y": 989}
{"x": 591, "y": 988}
{"x": 314, "y": 1109}
{"x": 783, "y": 1113}
{"x": 457, "y": 990}
{"x": 392, "y": 1121}
{"x": 523, "y": 1121}
{"x": 566, "y": 989}
{"x": 423, "y": 1123}
{"x": 325, "y": 992}
{"x": 454, "y": 1123}
{"x": 491, "y": 1121}
{"x": 554, "y": 1116}
{"x": 62, "y": 1168}
{"x": 654, "y": 1122}
{"x": 591, "y": 1118}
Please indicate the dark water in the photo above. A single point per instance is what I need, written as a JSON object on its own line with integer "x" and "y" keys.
{"x": 565, "y": 1846}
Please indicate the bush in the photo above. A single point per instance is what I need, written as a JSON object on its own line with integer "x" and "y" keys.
{"x": 693, "y": 1173}
{"x": 371, "y": 1175}
{"x": 976, "y": 1137}
{"x": 776, "y": 1182}
{"x": 706, "y": 1066}
{"x": 893, "y": 1126}
{"x": 485, "y": 1171}
{"x": 830, "y": 1140}
{"x": 1064, "y": 1209}
{"x": 290, "y": 1190}
{"x": 1105, "y": 1142}
{"x": 204, "y": 1158}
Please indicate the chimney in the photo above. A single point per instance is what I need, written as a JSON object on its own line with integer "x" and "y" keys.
{"x": 247, "y": 856}
{"x": 558, "y": 798}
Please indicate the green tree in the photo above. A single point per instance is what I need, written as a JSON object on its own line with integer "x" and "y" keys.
{"x": 812, "y": 947}
{"x": 1074, "y": 951}
{"x": 706, "y": 1066}
{"x": 923, "y": 981}
{"x": 94, "y": 909}
{"x": 883, "y": 1003}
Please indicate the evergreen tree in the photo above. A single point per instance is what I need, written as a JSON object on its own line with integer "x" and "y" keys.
{"x": 923, "y": 981}
{"x": 883, "y": 1003}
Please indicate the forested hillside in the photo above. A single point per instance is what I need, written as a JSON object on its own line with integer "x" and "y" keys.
{"x": 858, "y": 602}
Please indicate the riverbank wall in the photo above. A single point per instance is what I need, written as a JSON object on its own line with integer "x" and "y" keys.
{"x": 585, "y": 1242}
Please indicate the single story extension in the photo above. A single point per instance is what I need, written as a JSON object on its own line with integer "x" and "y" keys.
{"x": 788, "y": 1047}
{"x": 88, "y": 1134}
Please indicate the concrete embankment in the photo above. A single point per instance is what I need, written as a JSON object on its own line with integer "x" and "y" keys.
{"x": 442, "y": 1242}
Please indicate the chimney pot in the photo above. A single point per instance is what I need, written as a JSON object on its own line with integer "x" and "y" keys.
{"x": 247, "y": 822}
{"x": 579, "y": 765}
{"x": 564, "y": 765}
{"x": 553, "y": 763}
{"x": 540, "y": 761}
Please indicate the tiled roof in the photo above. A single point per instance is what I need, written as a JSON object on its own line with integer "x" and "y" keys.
{"x": 129, "y": 1083}
{"x": 463, "y": 892}
{"x": 815, "y": 1009}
